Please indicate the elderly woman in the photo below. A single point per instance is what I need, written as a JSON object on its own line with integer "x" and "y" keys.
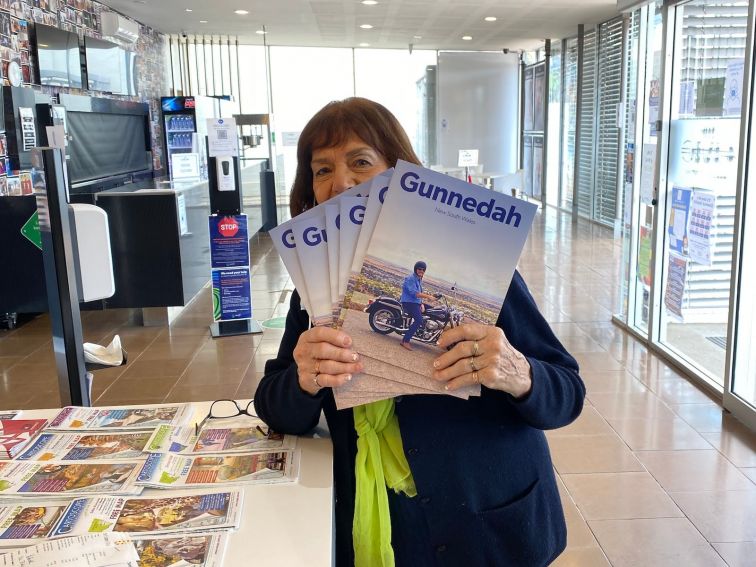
{"x": 460, "y": 482}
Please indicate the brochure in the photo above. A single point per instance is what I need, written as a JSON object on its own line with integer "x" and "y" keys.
{"x": 312, "y": 251}
{"x": 170, "y": 470}
{"x": 332, "y": 228}
{"x": 87, "y": 447}
{"x": 231, "y": 436}
{"x": 200, "y": 550}
{"x": 351, "y": 212}
{"x": 100, "y": 550}
{"x": 18, "y": 478}
{"x": 147, "y": 417}
{"x": 152, "y": 516}
{"x": 470, "y": 238}
{"x": 23, "y": 523}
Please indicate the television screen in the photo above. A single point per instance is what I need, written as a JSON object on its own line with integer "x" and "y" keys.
{"x": 58, "y": 57}
{"x": 110, "y": 68}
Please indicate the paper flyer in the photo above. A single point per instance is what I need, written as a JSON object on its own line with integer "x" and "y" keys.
{"x": 431, "y": 217}
{"x": 311, "y": 243}
{"x": 700, "y": 225}
{"x": 199, "y": 550}
{"x": 80, "y": 418}
{"x": 677, "y": 229}
{"x": 152, "y": 516}
{"x": 235, "y": 436}
{"x": 100, "y": 550}
{"x": 18, "y": 478}
{"x": 87, "y": 447}
{"x": 23, "y": 523}
{"x": 674, "y": 292}
{"x": 170, "y": 470}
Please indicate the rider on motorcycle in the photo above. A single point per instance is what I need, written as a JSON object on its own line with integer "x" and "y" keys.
{"x": 412, "y": 296}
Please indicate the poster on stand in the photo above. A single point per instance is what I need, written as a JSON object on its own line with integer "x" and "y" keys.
{"x": 677, "y": 271}
{"x": 677, "y": 229}
{"x": 699, "y": 227}
{"x": 232, "y": 298}
{"x": 229, "y": 241}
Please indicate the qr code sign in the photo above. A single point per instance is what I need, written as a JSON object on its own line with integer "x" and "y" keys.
{"x": 222, "y": 134}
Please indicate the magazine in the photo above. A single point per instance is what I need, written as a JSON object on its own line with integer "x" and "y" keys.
{"x": 351, "y": 212}
{"x": 152, "y": 516}
{"x": 15, "y": 435}
{"x": 98, "y": 550}
{"x": 19, "y": 478}
{"x": 451, "y": 225}
{"x": 198, "y": 549}
{"x": 136, "y": 417}
{"x": 169, "y": 470}
{"x": 310, "y": 237}
{"x": 113, "y": 446}
{"x": 9, "y": 414}
{"x": 23, "y": 523}
{"x": 231, "y": 436}
{"x": 332, "y": 229}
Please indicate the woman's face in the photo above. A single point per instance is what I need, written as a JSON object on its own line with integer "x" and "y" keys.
{"x": 338, "y": 168}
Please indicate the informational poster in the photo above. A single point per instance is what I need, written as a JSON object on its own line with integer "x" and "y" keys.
{"x": 629, "y": 162}
{"x": 229, "y": 241}
{"x": 677, "y": 270}
{"x": 688, "y": 97}
{"x": 699, "y": 227}
{"x": 653, "y": 105}
{"x": 537, "y": 166}
{"x": 28, "y": 129}
{"x": 181, "y": 208}
{"x": 232, "y": 299}
{"x": 677, "y": 228}
{"x": 528, "y": 118}
{"x": 222, "y": 137}
{"x": 527, "y": 164}
{"x": 648, "y": 169}
{"x": 734, "y": 87}
{"x": 185, "y": 166}
{"x": 290, "y": 138}
{"x": 467, "y": 158}
{"x": 539, "y": 95}
{"x": 644, "y": 256}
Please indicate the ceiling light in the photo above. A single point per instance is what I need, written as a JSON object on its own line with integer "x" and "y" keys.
{"x": 364, "y": 45}
{"x": 261, "y": 32}
{"x": 366, "y": 27}
{"x": 241, "y": 12}
{"x": 188, "y": 9}
{"x": 467, "y": 37}
{"x": 203, "y": 21}
{"x": 369, "y": 2}
{"x": 490, "y": 18}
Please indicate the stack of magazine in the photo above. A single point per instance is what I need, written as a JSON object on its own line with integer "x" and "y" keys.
{"x": 85, "y": 474}
{"x": 349, "y": 259}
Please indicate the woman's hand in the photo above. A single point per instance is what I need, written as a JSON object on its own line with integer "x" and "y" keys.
{"x": 324, "y": 359}
{"x": 482, "y": 354}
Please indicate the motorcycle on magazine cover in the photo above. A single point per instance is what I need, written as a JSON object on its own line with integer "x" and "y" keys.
{"x": 386, "y": 316}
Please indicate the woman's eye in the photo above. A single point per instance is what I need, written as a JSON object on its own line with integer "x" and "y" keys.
{"x": 363, "y": 163}
{"x": 320, "y": 172}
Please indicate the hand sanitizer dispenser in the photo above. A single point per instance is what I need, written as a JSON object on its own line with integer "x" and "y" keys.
{"x": 94, "y": 259}
{"x": 226, "y": 174}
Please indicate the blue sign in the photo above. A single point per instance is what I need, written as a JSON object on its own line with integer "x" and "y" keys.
{"x": 232, "y": 298}
{"x": 229, "y": 241}
{"x": 677, "y": 228}
{"x": 177, "y": 103}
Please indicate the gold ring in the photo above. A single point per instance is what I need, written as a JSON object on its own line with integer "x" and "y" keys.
{"x": 475, "y": 348}
{"x": 317, "y": 366}
{"x": 475, "y": 377}
{"x": 315, "y": 379}
{"x": 472, "y": 364}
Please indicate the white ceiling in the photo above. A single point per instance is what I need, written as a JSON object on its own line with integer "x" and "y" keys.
{"x": 521, "y": 24}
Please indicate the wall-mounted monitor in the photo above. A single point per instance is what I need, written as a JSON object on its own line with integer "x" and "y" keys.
{"x": 110, "y": 68}
{"x": 58, "y": 57}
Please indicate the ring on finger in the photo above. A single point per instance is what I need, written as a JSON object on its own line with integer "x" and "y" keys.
{"x": 473, "y": 366}
{"x": 476, "y": 377}
{"x": 476, "y": 348}
{"x": 317, "y": 367}
{"x": 315, "y": 379}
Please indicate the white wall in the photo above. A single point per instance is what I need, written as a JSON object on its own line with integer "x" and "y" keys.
{"x": 478, "y": 108}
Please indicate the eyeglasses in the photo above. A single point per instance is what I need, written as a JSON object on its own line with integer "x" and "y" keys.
{"x": 224, "y": 409}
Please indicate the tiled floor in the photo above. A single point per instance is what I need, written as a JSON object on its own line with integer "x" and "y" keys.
{"x": 653, "y": 473}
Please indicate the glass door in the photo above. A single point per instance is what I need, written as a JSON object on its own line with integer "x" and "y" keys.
{"x": 699, "y": 182}
{"x": 569, "y": 121}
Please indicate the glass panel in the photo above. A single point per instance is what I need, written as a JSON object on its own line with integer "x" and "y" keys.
{"x": 253, "y": 94}
{"x": 568, "y": 124}
{"x": 701, "y": 181}
{"x": 555, "y": 124}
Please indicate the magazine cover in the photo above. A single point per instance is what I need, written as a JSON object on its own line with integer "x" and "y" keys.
{"x": 469, "y": 240}
{"x": 148, "y": 417}
{"x": 18, "y": 478}
{"x": 170, "y": 470}
{"x": 200, "y": 550}
{"x": 250, "y": 435}
{"x": 311, "y": 243}
{"x": 15, "y": 435}
{"x": 23, "y": 524}
{"x": 332, "y": 229}
{"x": 351, "y": 213}
{"x": 87, "y": 447}
{"x": 151, "y": 516}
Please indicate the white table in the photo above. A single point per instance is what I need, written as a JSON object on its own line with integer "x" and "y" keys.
{"x": 282, "y": 524}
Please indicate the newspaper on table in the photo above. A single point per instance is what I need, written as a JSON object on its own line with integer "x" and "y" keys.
{"x": 112, "y": 446}
{"x": 29, "y": 478}
{"x": 235, "y": 435}
{"x": 100, "y": 550}
{"x": 9, "y": 414}
{"x": 24, "y": 523}
{"x": 169, "y": 470}
{"x": 152, "y": 516}
{"x": 197, "y": 549}
{"x": 112, "y": 418}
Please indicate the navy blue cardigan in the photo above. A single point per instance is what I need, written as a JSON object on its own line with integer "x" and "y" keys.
{"x": 487, "y": 494}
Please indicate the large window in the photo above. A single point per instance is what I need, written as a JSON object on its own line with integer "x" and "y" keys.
{"x": 553, "y": 149}
{"x": 569, "y": 120}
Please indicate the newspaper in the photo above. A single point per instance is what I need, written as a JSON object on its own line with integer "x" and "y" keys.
{"x": 26, "y": 523}
{"x": 101, "y": 550}
{"x": 197, "y": 549}
{"x": 9, "y": 414}
{"x": 246, "y": 435}
{"x": 176, "y": 471}
{"x": 135, "y": 417}
{"x": 87, "y": 447}
{"x": 19, "y": 478}
{"x": 150, "y": 516}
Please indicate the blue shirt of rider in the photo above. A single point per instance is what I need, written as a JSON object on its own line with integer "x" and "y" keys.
{"x": 412, "y": 286}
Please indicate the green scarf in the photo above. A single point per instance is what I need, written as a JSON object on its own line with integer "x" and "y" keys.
{"x": 380, "y": 463}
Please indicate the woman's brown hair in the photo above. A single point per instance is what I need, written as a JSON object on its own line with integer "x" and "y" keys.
{"x": 333, "y": 125}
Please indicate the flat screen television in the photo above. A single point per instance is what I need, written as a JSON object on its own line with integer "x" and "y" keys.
{"x": 58, "y": 57}
{"x": 110, "y": 68}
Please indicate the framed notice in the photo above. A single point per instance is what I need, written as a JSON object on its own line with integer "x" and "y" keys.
{"x": 232, "y": 299}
